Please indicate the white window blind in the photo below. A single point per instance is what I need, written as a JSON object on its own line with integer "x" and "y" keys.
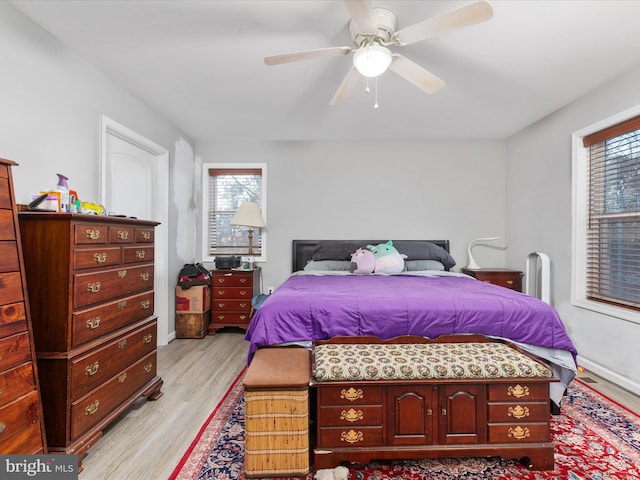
{"x": 613, "y": 220}
{"x": 228, "y": 189}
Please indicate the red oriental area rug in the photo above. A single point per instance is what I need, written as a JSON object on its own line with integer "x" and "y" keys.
{"x": 595, "y": 439}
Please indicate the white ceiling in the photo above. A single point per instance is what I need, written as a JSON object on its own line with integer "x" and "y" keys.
{"x": 200, "y": 64}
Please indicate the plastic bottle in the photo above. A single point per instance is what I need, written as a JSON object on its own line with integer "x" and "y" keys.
{"x": 63, "y": 188}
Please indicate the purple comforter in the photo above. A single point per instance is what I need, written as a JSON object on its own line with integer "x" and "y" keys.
{"x": 315, "y": 307}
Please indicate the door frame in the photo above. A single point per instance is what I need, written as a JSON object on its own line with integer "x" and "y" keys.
{"x": 161, "y": 201}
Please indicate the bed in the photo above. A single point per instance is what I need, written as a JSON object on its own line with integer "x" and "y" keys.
{"x": 322, "y": 299}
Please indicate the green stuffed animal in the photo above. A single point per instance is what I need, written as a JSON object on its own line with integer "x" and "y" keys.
{"x": 388, "y": 259}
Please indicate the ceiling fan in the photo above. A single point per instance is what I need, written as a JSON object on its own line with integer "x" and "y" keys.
{"x": 373, "y": 29}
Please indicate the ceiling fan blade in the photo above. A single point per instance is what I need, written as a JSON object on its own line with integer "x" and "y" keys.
{"x": 361, "y": 12}
{"x": 307, "y": 55}
{"x": 347, "y": 87}
{"x": 461, "y": 17}
{"x": 417, "y": 75}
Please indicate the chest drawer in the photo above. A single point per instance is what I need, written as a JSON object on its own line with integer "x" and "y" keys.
{"x": 13, "y": 319}
{"x": 232, "y": 305}
{"x": 84, "y": 234}
{"x": 121, "y": 234}
{"x": 9, "y": 257}
{"x": 93, "y": 323}
{"x": 233, "y": 293}
{"x": 14, "y": 350}
{"x": 7, "y": 229}
{"x": 16, "y": 382}
{"x": 519, "y": 433}
{"x": 11, "y": 288}
{"x": 89, "y": 371}
{"x": 350, "y": 437}
{"x": 90, "y": 409}
{"x": 97, "y": 257}
{"x": 355, "y": 416}
{"x": 514, "y": 392}
{"x": 144, "y": 235}
{"x": 350, "y": 395}
{"x": 27, "y": 441}
{"x": 517, "y": 412}
{"x": 18, "y": 415}
{"x": 236, "y": 279}
{"x": 138, "y": 254}
{"x": 92, "y": 288}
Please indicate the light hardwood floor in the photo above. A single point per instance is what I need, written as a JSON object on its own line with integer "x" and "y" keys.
{"x": 148, "y": 441}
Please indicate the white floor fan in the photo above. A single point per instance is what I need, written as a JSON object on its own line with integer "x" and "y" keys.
{"x": 373, "y": 30}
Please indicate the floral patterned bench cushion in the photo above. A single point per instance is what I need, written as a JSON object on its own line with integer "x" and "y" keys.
{"x": 422, "y": 361}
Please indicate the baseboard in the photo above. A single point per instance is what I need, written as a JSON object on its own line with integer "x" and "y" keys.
{"x": 611, "y": 376}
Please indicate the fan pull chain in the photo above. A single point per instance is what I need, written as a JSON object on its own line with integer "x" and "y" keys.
{"x": 375, "y": 105}
{"x": 367, "y": 89}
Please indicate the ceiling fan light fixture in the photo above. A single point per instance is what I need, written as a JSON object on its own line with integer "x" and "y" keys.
{"x": 372, "y": 60}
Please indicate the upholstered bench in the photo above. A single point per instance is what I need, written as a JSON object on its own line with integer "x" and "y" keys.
{"x": 410, "y": 397}
{"x": 276, "y": 396}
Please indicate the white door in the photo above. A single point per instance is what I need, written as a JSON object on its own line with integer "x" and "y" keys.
{"x": 134, "y": 183}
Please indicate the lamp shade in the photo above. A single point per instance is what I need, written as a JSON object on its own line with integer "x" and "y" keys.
{"x": 372, "y": 60}
{"x": 248, "y": 215}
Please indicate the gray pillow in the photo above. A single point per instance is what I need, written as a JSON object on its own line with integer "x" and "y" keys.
{"x": 419, "y": 265}
{"x": 424, "y": 251}
{"x": 331, "y": 265}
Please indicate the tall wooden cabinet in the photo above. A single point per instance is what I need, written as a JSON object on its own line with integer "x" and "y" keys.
{"x": 90, "y": 283}
{"x": 21, "y": 423}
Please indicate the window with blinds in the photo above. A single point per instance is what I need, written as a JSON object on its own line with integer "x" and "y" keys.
{"x": 613, "y": 215}
{"x": 229, "y": 188}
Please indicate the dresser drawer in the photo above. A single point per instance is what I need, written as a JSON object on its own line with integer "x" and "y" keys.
{"x": 236, "y": 279}
{"x": 138, "y": 254}
{"x": 27, "y": 441}
{"x": 89, "y": 371}
{"x": 11, "y": 291}
{"x": 7, "y": 229}
{"x": 97, "y": 257}
{"x": 18, "y": 415}
{"x": 91, "y": 324}
{"x": 121, "y": 234}
{"x": 518, "y": 391}
{"x": 350, "y": 437}
{"x": 92, "y": 288}
{"x": 14, "y": 350}
{"x": 90, "y": 234}
{"x": 233, "y": 293}
{"x": 13, "y": 319}
{"x": 230, "y": 318}
{"x": 350, "y": 395}
{"x": 512, "y": 412}
{"x": 9, "y": 257}
{"x": 5, "y": 197}
{"x": 350, "y": 415}
{"x": 16, "y": 382}
{"x": 519, "y": 432}
{"x": 93, "y": 407}
{"x": 144, "y": 235}
{"x": 232, "y": 305}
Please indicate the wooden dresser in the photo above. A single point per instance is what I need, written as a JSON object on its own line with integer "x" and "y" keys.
{"x": 21, "y": 421}
{"x": 231, "y": 292}
{"x": 503, "y": 277}
{"x": 90, "y": 283}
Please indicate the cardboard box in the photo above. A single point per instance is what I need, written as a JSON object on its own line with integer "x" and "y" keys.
{"x": 196, "y": 299}
{"x": 192, "y": 325}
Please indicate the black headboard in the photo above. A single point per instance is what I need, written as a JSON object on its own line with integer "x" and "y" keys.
{"x": 303, "y": 249}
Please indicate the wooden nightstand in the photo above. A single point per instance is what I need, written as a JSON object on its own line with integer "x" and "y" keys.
{"x": 503, "y": 277}
{"x": 231, "y": 294}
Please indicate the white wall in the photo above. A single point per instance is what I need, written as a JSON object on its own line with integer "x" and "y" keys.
{"x": 50, "y": 107}
{"x": 539, "y": 218}
{"x": 380, "y": 189}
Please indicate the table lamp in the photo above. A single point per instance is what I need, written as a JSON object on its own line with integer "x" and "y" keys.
{"x": 248, "y": 215}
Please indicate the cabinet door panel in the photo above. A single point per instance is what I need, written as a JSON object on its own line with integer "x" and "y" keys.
{"x": 463, "y": 417}
{"x": 411, "y": 415}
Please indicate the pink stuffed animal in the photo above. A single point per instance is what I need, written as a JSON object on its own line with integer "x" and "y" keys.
{"x": 365, "y": 261}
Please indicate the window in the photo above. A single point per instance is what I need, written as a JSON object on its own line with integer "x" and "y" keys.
{"x": 225, "y": 188}
{"x": 608, "y": 182}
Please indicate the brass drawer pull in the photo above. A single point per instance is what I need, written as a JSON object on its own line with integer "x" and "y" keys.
{"x": 122, "y": 377}
{"x": 444, "y": 412}
{"x": 93, "y": 323}
{"x": 123, "y": 234}
{"x": 221, "y": 305}
{"x": 351, "y": 415}
{"x": 122, "y": 305}
{"x": 243, "y": 292}
{"x": 144, "y": 305}
{"x": 93, "y": 234}
{"x": 509, "y": 282}
{"x": 148, "y": 367}
{"x": 221, "y": 292}
{"x": 220, "y": 280}
{"x": 243, "y": 280}
{"x": 518, "y": 391}
{"x": 352, "y": 394}
{"x": 146, "y": 235}
{"x": 122, "y": 273}
{"x": 93, "y": 287}
{"x": 147, "y": 338}
{"x": 352, "y": 436}
{"x": 93, "y": 408}
{"x": 144, "y": 276}
{"x": 518, "y": 411}
{"x": 243, "y": 305}
{"x": 91, "y": 370}
{"x": 140, "y": 254}
{"x": 100, "y": 257}
{"x": 243, "y": 317}
{"x": 220, "y": 317}
{"x": 518, "y": 432}
{"x": 122, "y": 344}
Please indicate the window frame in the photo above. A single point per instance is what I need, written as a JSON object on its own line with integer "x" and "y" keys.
{"x": 580, "y": 205}
{"x": 204, "y": 205}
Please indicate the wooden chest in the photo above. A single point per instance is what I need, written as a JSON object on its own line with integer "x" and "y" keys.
{"x": 231, "y": 292}
{"x": 21, "y": 420}
{"x": 90, "y": 283}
